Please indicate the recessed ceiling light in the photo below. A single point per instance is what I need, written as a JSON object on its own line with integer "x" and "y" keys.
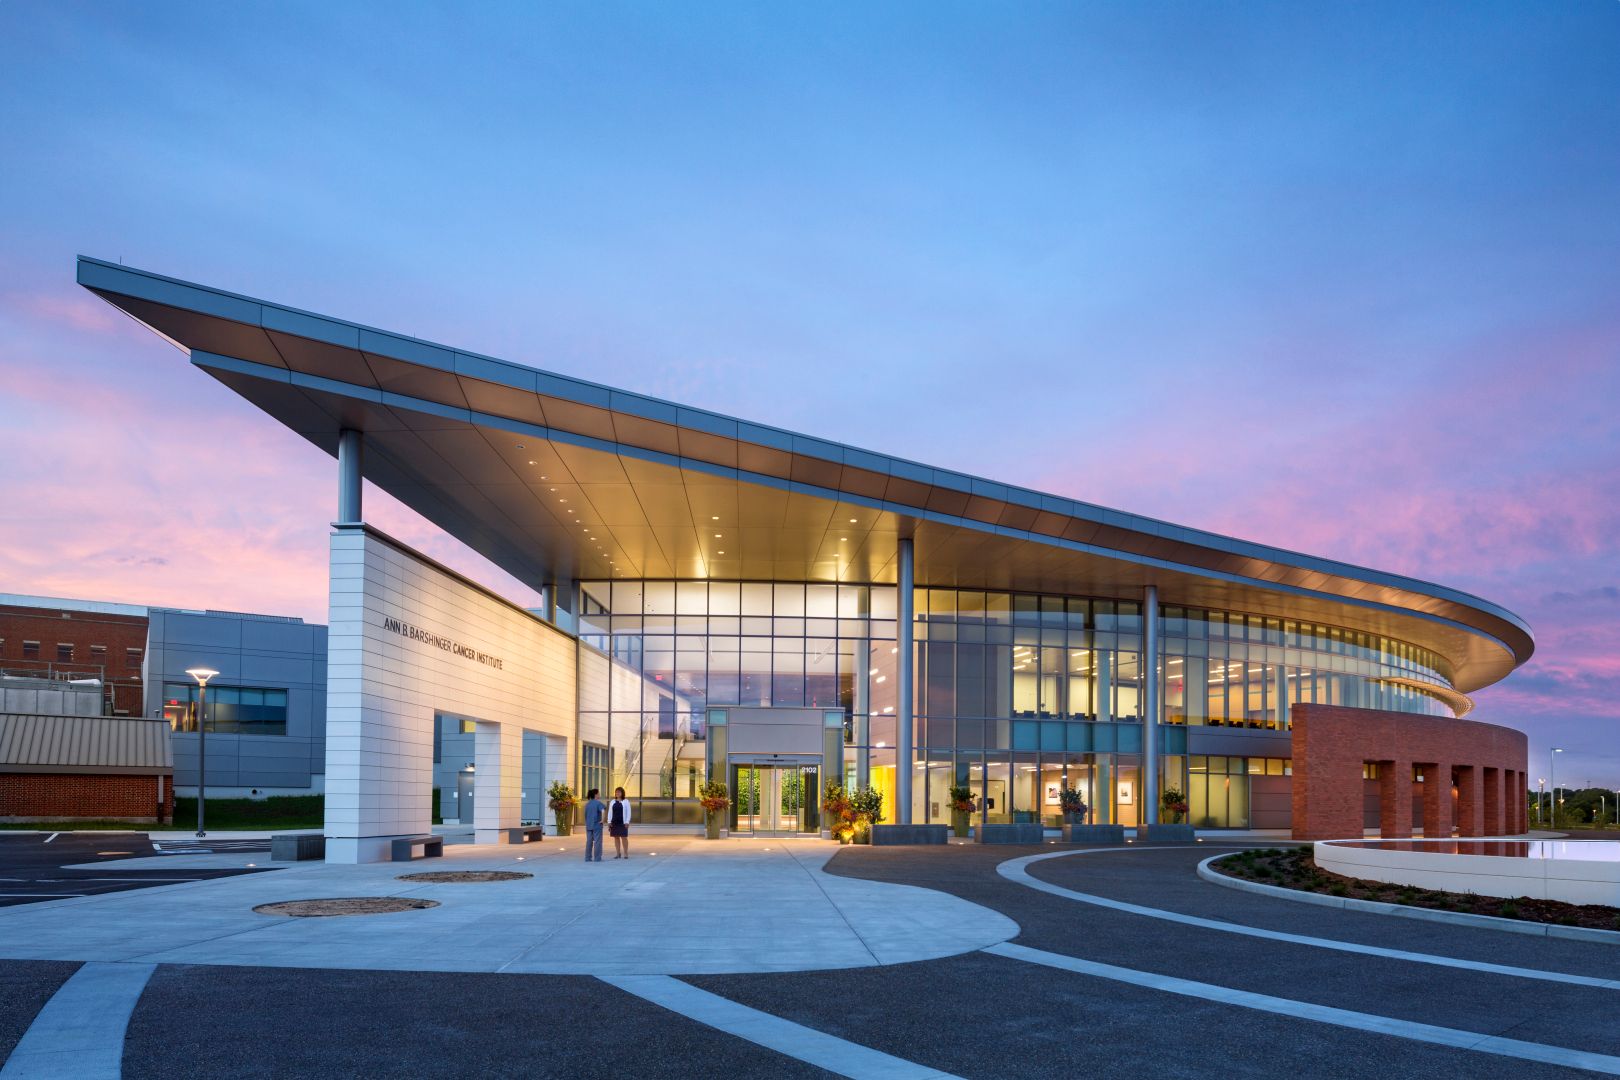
{"x": 843, "y": 539}
{"x": 714, "y": 517}
{"x": 720, "y": 553}
{"x": 852, "y": 521}
{"x": 717, "y": 536}
{"x": 531, "y": 463}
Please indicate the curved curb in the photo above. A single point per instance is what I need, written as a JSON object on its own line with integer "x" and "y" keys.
{"x": 1378, "y": 907}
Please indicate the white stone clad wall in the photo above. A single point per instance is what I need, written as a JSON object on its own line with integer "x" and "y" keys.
{"x": 383, "y": 688}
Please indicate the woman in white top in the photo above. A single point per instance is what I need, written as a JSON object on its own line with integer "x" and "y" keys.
{"x": 618, "y": 822}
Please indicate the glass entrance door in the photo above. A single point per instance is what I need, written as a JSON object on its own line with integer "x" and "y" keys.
{"x": 775, "y": 797}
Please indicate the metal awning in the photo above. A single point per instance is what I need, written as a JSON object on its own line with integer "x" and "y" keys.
{"x": 558, "y": 479}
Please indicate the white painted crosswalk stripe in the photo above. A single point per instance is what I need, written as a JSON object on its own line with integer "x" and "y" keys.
{"x": 1017, "y": 870}
{"x": 772, "y": 1032}
{"x": 1322, "y": 1014}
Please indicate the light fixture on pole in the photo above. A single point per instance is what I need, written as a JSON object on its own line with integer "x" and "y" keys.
{"x": 1552, "y": 771}
{"x": 202, "y": 675}
{"x": 1541, "y": 793}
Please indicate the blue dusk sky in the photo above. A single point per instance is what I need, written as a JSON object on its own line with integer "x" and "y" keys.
{"x": 1343, "y": 278}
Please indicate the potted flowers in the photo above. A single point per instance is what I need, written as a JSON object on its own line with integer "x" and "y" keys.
{"x": 835, "y": 805}
{"x": 1073, "y": 806}
{"x": 716, "y": 799}
{"x": 1174, "y": 803}
{"x": 866, "y": 805}
{"x": 561, "y": 799}
{"x": 961, "y": 800}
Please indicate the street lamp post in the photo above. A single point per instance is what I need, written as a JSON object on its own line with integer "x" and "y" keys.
{"x": 1541, "y": 794}
{"x": 1552, "y": 771}
{"x": 202, "y": 675}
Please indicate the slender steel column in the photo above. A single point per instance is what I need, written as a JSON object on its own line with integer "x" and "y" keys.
{"x": 349, "y": 454}
{"x": 1150, "y": 705}
{"x": 902, "y": 726}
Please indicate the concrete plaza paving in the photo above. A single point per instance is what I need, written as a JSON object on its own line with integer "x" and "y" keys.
{"x": 679, "y": 906}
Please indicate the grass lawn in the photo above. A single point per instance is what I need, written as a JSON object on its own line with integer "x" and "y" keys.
{"x": 1294, "y": 868}
{"x": 226, "y": 815}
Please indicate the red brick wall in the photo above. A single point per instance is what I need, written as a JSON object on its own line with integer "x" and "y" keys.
{"x": 53, "y": 795}
{"x": 1331, "y": 743}
{"x": 81, "y": 629}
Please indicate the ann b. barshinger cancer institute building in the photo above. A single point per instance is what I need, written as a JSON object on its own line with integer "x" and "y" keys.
{"x": 727, "y": 600}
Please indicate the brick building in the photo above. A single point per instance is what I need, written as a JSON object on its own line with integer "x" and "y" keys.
{"x": 77, "y": 639}
{"x": 98, "y": 767}
{"x": 1354, "y": 767}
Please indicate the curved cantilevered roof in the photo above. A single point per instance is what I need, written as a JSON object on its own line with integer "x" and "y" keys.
{"x": 556, "y": 479}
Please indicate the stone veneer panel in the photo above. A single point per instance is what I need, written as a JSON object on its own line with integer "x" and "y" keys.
{"x": 408, "y": 637}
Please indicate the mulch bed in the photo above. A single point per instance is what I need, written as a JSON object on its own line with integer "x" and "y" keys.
{"x": 451, "y": 877}
{"x": 344, "y": 905}
{"x": 1294, "y": 868}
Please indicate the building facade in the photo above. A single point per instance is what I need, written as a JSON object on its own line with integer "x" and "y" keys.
{"x": 725, "y": 600}
{"x": 266, "y": 707}
{"x": 266, "y": 710}
{"x": 76, "y": 640}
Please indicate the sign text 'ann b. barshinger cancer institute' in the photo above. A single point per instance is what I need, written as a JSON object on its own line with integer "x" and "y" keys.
{"x": 416, "y": 633}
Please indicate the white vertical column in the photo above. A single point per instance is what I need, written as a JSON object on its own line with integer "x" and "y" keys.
{"x": 863, "y": 718}
{"x": 498, "y": 780}
{"x": 1102, "y": 666}
{"x": 1150, "y": 705}
{"x": 350, "y": 452}
{"x": 903, "y": 720}
{"x": 1281, "y": 692}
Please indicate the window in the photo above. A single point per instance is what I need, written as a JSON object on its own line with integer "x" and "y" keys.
{"x": 30, "y": 650}
{"x": 64, "y": 652}
{"x": 98, "y": 654}
{"x": 1369, "y": 770}
{"x": 236, "y": 710}
{"x": 593, "y": 768}
{"x": 132, "y": 657}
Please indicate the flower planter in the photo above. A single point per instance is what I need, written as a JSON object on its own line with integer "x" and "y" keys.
{"x": 564, "y": 828}
{"x": 959, "y": 822}
{"x": 711, "y": 826}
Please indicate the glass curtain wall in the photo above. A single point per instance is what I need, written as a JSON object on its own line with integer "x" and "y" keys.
{"x": 1230, "y": 670}
{"x": 660, "y": 653}
{"x": 1016, "y": 695}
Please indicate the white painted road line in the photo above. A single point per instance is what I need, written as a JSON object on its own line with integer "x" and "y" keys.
{"x": 772, "y": 1032}
{"x": 51, "y": 837}
{"x": 1017, "y": 870}
{"x": 1322, "y": 1014}
{"x": 79, "y": 1034}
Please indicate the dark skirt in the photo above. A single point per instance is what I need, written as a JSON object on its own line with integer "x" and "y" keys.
{"x": 618, "y": 830}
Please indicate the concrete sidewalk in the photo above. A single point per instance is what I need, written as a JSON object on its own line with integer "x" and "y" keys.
{"x": 677, "y": 906}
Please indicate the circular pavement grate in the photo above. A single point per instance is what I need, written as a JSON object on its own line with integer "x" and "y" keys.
{"x": 448, "y": 877}
{"x": 344, "y": 905}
